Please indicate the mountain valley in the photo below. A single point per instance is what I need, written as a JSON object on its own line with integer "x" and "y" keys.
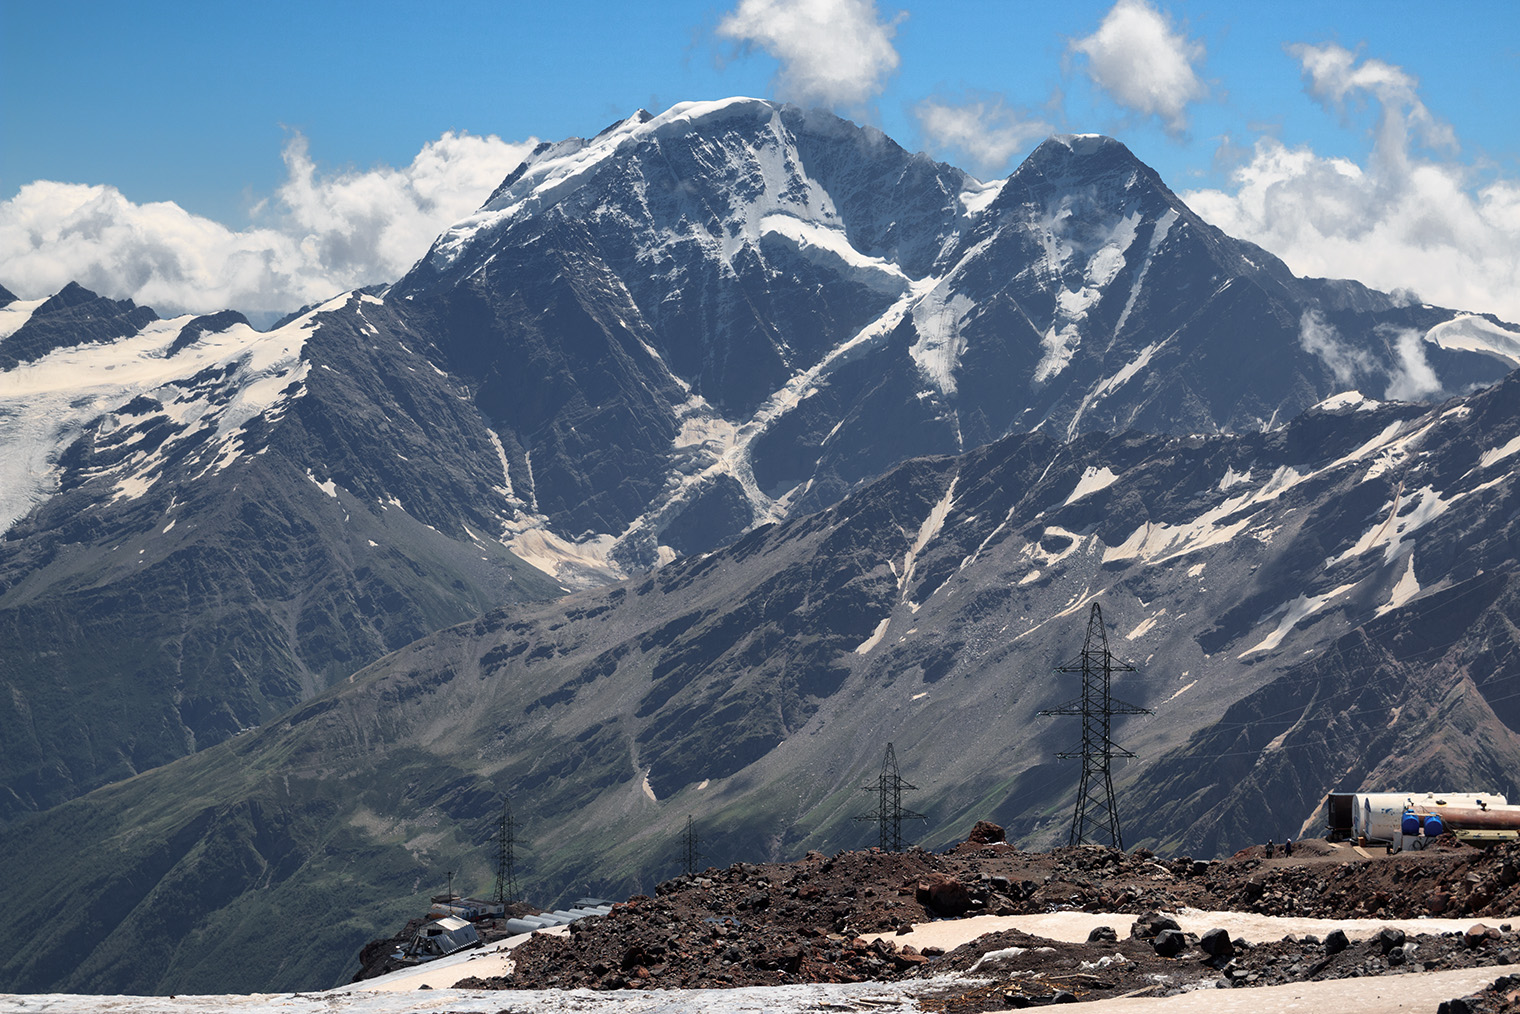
{"x": 710, "y": 456}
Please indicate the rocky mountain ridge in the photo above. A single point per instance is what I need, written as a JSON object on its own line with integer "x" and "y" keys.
{"x": 205, "y": 524}
{"x": 817, "y": 428}
{"x": 749, "y": 309}
{"x": 642, "y": 346}
{"x": 1318, "y": 607}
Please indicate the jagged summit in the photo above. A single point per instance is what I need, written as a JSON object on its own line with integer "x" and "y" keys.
{"x": 72, "y": 316}
{"x": 1085, "y": 144}
{"x": 727, "y": 282}
{"x": 1063, "y": 162}
{"x": 701, "y": 167}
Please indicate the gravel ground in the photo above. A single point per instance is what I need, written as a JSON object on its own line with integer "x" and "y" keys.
{"x": 1327, "y": 913}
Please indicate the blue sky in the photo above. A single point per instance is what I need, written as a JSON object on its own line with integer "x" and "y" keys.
{"x": 211, "y": 106}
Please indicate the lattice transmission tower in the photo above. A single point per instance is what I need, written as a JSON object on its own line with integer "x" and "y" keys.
{"x": 691, "y": 856}
{"x": 889, "y": 813}
{"x": 506, "y": 859}
{"x": 1097, "y": 814}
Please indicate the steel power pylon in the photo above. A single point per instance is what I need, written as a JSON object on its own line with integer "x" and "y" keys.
{"x": 1096, "y": 814}
{"x": 506, "y": 860}
{"x": 691, "y": 857}
{"x": 889, "y": 813}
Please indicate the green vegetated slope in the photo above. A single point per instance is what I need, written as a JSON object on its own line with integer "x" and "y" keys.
{"x": 206, "y": 873}
{"x": 1290, "y": 598}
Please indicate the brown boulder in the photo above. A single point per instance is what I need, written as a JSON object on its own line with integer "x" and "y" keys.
{"x": 1478, "y": 934}
{"x": 986, "y": 833}
{"x": 944, "y": 894}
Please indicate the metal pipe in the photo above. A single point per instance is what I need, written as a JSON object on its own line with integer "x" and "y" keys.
{"x": 1475, "y": 818}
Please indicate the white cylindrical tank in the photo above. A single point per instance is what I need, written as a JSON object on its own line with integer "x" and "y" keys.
{"x": 1378, "y": 815}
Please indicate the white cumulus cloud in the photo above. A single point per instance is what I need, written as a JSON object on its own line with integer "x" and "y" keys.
{"x": 1144, "y": 63}
{"x": 1320, "y": 338}
{"x": 1411, "y": 377}
{"x": 1411, "y": 215}
{"x": 833, "y": 53}
{"x": 318, "y": 235}
{"x": 1414, "y": 380}
{"x": 985, "y": 131}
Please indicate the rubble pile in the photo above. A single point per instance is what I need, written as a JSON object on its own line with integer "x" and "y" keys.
{"x": 813, "y": 920}
{"x": 1502, "y": 996}
{"x": 1159, "y": 960}
{"x": 1448, "y": 880}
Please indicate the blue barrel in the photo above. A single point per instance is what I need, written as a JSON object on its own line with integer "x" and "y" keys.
{"x": 1434, "y": 826}
{"x": 1411, "y": 822}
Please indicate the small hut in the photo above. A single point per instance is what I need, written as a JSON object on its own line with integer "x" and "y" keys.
{"x": 439, "y": 937}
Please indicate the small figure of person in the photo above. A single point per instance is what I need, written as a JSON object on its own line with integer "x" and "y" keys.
{"x": 1288, "y": 847}
{"x": 1271, "y": 848}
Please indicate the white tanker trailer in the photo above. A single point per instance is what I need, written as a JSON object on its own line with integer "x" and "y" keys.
{"x": 1403, "y": 820}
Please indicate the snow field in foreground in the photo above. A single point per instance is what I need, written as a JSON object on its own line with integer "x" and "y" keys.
{"x": 1388, "y": 994}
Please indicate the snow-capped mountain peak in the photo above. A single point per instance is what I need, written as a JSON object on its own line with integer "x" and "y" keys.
{"x": 646, "y": 344}
{"x": 771, "y": 273}
{"x": 651, "y": 344}
{"x": 715, "y": 171}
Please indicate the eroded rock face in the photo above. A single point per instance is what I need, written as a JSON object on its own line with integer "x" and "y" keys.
{"x": 774, "y": 305}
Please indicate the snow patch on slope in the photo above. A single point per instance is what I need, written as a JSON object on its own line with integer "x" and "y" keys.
{"x": 1093, "y": 479}
{"x": 864, "y": 647}
{"x": 1299, "y": 609}
{"x": 329, "y": 487}
{"x": 1145, "y": 626}
{"x": 1158, "y": 542}
{"x": 1498, "y": 454}
{"x": 937, "y": 320}
{"x": 1184, "y": 689}
{"x": 575, "y": 565}
{"x": 1061, "y": 339}
{"x": 1469, "y": 333}
{"x": 829, "y": 248}
{"x": 1348, "y": 399}
{"x": 1404, "y": 518}
{"x": 505, "y": 489}
{"x": 15, "y": 314}
{"x": 1125, "y": 374}
{"x": 978, "y": 197}
{"x": 1106, "y": 387}
{"x": 1408, "y": 587}
{"x": 933, "y": 522}
{"x": 1158, "y": 236}
{"x": 47, "y": 403}
{"x": 1233, "y": 478}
